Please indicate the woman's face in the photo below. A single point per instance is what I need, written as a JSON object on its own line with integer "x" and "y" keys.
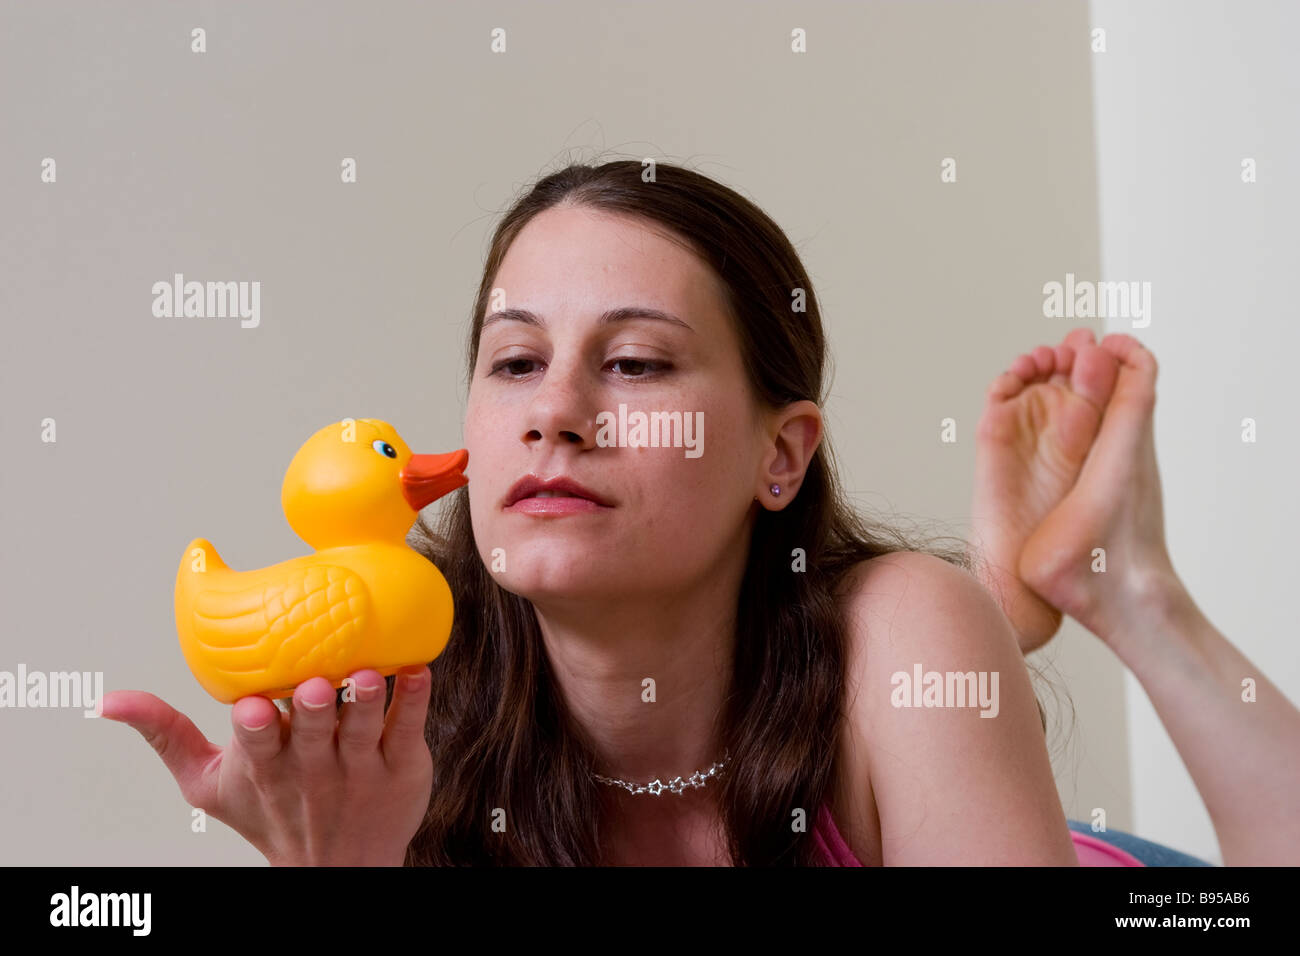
{"x": 672, "y": 512}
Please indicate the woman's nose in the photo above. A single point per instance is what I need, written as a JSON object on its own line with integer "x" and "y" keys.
{"x": 560, "y": 409}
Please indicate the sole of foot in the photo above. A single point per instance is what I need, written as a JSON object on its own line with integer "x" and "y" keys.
{"x": 1039, "y": 423}
{"x": 1115, "y": 505}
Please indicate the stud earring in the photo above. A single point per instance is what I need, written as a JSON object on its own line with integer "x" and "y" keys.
{"x": 776, "y": 490}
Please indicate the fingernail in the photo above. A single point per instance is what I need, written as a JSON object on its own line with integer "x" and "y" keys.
{"x": 312, "y": 705}
{"x": 258, "y": 727}
{"x": 412, "y": 681}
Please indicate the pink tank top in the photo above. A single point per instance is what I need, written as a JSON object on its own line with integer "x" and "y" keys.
{"x": 1090, "y": 850}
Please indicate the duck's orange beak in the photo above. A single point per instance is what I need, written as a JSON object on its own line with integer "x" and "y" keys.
{"x": 426, "y": 478}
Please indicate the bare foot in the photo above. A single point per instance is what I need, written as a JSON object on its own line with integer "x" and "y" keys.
{"x": 1115, "y": 506}
{"x": 1038, "y": 425}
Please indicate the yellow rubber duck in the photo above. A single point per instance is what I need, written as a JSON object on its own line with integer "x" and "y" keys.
{"x": 365, "y": 599}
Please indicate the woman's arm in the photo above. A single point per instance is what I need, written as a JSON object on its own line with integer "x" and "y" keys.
{"x": 951, "y": 787}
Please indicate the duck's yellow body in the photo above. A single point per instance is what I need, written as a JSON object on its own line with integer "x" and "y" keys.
{"x": 364, "y": 599}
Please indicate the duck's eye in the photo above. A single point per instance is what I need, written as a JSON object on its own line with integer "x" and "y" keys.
{"x": 384, "y": 448}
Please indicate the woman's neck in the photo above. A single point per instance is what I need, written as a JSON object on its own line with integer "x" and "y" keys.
{"x": 646, "y": 681}
{"x": 668, "y": 830}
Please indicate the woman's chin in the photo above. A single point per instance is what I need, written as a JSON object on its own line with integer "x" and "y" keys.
{"x": 555, "y": 570}
{"x": 587, "y": 581}
{"x": 551, "y": 588}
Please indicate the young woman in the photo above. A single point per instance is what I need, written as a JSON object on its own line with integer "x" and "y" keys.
{"x": 630, "y": 613}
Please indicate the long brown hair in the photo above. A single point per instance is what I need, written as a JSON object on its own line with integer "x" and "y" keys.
{"x": 500, "y": 733}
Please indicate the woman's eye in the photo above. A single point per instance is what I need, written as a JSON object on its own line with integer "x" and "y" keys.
{"x": 639, "y": 368}
{"x": 511, "y": 367}
{"x": 627, "y": 367}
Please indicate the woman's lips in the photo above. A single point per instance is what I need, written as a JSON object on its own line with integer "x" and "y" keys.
{"x": 557, "y": 495}
{"x": 556, "y": 506}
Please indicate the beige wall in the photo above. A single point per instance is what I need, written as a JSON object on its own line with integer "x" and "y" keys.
{"x": 1180, "y": 103}
{"x": 225, "y": 166}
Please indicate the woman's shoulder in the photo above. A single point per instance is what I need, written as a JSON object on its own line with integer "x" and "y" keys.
{"x": 887, "y": 579}
{"x": 912, "y": 607}
{"x": 903, "y": 602}
{"x": 909, "y": 616}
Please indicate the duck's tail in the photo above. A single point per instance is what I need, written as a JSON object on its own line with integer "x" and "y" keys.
{"x": 201, "y": 558}
{"x": 200, "y": 567}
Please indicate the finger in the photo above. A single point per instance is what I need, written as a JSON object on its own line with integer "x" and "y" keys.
{"x": 315, "y": 718}
{"x": 184, "y": 750}
{"x": 259, "y": 732}
{"x": 404, "y": 725}
{"x": 362, "y": 720}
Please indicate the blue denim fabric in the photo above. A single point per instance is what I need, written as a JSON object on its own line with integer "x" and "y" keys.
{"x": 1152, "y": 854}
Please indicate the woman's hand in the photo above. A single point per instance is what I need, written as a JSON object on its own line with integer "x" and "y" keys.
{"x": 328, "y": 786}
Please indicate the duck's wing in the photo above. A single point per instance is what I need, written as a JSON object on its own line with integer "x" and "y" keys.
{"x": 308, "y": 622}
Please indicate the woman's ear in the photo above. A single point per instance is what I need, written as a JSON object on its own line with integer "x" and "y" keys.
{"x": 796, "y": 431}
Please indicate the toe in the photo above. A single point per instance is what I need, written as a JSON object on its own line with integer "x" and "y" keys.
{"x": 1045, "y": 360}
{"x": 1064, "y": 360}
{"x": 1135, "y": 389}
{"x": 1007, "y": 385}
{"x": 1094, "y": 375}
{"x": 1025, "y": 367}
{"x": 1130, "y": 352}
{"x": 1078, "y": 338}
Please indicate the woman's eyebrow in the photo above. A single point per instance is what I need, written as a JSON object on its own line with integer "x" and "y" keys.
{"x": 624, "y": 314}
